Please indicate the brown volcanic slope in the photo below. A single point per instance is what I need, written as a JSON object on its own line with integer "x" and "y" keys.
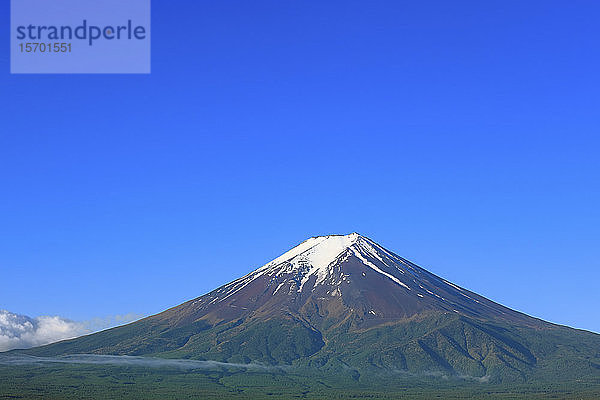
{"x": 345, "y": 301}
{"x": 335, "y": 277}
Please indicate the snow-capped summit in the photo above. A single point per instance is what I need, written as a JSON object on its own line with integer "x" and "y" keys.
{"x": 319, "y": 251}
{"x": 342, "y": 275}
{"x": 318, "y": 255}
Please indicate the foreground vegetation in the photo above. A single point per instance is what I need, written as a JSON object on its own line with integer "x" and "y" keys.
{"x": 443, "y": 356}
{"x": 453, "y": 344}
{"x": 87, "y": 381}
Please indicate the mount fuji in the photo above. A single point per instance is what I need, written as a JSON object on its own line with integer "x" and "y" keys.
{"x": 344, "y": 303}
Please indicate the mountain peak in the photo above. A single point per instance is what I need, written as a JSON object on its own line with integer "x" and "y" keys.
{"x": 317, "y": 249}
{"x": 350, "y": 235}
{"x": 345, "y": 274}
{"x": 315, "y": 254}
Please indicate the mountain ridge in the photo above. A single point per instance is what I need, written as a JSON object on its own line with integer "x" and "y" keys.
{"x": 344, "y": 301}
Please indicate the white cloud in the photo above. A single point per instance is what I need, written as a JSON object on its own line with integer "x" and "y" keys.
{"x": 22, "y": 332}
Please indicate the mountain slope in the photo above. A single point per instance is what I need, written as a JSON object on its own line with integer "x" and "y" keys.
{"x": 345, "y": 302}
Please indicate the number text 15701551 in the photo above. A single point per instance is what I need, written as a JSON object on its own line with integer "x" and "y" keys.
{"x": 45, "y": 47}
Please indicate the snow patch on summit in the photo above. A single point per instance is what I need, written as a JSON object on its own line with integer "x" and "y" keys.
{"x": 319, "y": 252}
{"x": 317, "y": 257}
{"x": 376, "y": 269}
{"x": 311, "y": 257}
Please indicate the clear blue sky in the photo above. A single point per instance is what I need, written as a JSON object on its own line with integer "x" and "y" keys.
{"x": 462, "y": 135}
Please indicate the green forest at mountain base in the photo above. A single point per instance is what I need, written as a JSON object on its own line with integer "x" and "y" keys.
{"x": 87, "y": 381}
{"x": 443, "y": 344}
